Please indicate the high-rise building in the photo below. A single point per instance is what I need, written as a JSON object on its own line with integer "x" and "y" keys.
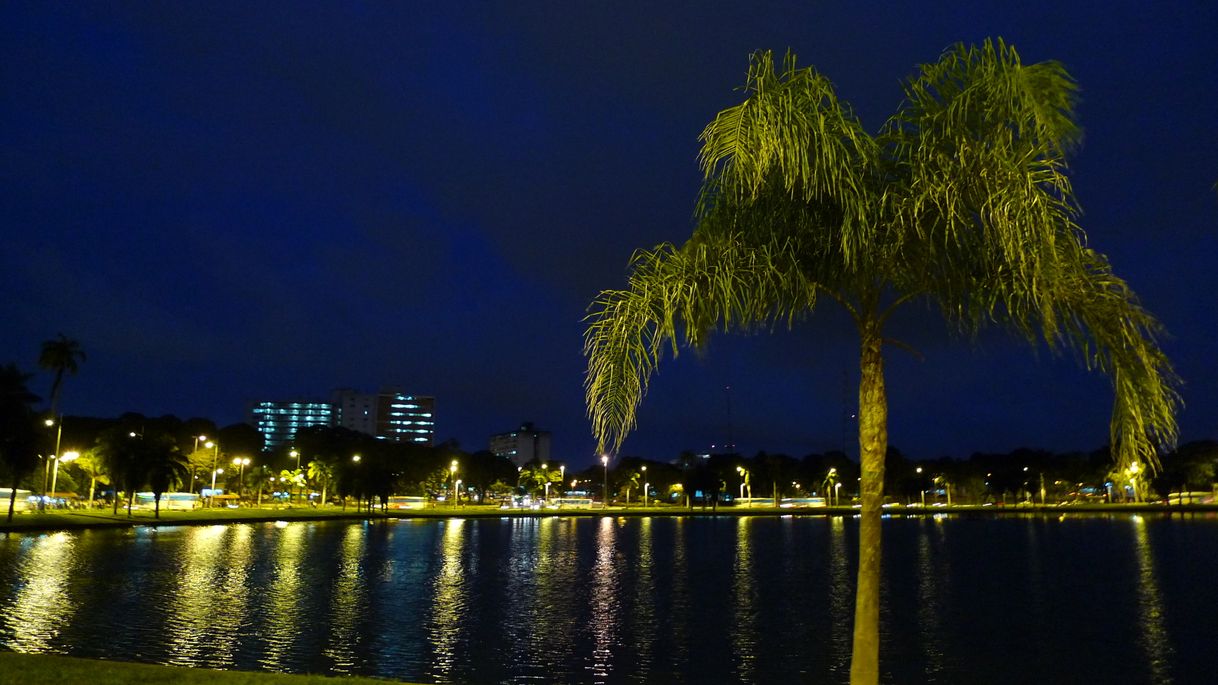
{"x": 391, "y": 414}
{"x": 402, "y": 417}
{"x": 522, "y": 445}
{"x": 355, "y": 410}
{"x": 279, "y": 421}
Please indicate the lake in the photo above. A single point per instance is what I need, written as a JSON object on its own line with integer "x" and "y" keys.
{"x": 749, "y": 599}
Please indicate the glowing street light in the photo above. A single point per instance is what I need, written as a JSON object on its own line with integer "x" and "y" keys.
{"x": 241, "y": 463}
{"x": 66, "y": 456}
{"x": 1133, "y": 479}
{"x": 58, "y": 435}
{"x": 744, "y": 482}
{"x": 646, "y": 486}
{"x": 605, "y": 463}
{"x": 212, "y": 499}
{"x": 452, "y": 469}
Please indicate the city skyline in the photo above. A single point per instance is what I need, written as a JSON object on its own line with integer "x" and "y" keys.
{"x": 221, "y": 205}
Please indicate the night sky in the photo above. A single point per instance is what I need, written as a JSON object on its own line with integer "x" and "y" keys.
{"x": 227, "y": 202}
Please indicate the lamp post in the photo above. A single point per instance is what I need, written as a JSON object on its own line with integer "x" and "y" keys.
{"x": 452, "y": 469}
{"x": 211, "y": 501}
{"x": 646, "y": 486}
{"x": 562, "y": 474}
{"x": 1133, "y": 479}
{"x": 295, "y": 454}
{"x": 241, "y": 463}
{"x": 605, "y": 463}
{"x": 355, "y": 459}
{"x": 837, "y": 494}
{"x": 215, "y": 455}
{"x": 922, "y": 487}
{"x": 58, "y": 435}
{"x": 744, "y": 482}
{"x": 67, "y": 456}
{"x": 194, "y": 476}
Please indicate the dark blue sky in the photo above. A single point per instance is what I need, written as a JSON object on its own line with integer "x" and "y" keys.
{"x": 232, "y": 201}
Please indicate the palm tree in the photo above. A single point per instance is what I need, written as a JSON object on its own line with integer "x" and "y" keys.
{"x": 163, "y": 465}
{"x": 18, "y": 429}
{"x": 90, "y": 464}
{"x": 961, "y": 201}
{"x": 322, "y": 473}
{"x": 60, "y": 355}
{"x": 122, "y": 455}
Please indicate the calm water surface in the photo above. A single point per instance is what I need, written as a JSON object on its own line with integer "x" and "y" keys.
{"x": 1121, "y": 599}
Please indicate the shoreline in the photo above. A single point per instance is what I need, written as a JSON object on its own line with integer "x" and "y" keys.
{"x": 90, "y": 520}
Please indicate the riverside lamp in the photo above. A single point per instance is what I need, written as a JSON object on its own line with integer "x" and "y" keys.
{"x": 605, "y": 463}
{"x": 646, "y": 486}
{"x": 241, "y": 463}
{"x": 66, "y": 456}
{"x": 211, "y": 500}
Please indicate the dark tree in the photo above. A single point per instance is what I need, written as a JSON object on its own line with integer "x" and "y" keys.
{"x": 18, "y": 429}
{"x": 61, "y": 355}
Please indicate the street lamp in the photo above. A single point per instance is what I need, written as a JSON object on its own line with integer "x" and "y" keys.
{"x": 215, "y": 455}
{"x": 562, "y": 473}
{"x": 67, "y": 456}
{"x": 241, "y": 463}
{"x": 605, "y": 463}
{"x": 212, "y": 499}
{"x": 744, "y": 482}
{"x": 295, "y": 454}
{"x": 1133, "y": 479}
{"x": 922, "y": 486}
{"x": 452, "y": 469}
{"x": 58, "y": 435}
{"x": 646, "y": 486}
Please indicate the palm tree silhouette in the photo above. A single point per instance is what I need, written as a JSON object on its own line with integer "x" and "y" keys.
{"x": 61, "y": 355}
{"x": 961, "y": 201}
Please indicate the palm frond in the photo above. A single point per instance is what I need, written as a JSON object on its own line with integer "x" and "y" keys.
{"x": 677, "y": 296}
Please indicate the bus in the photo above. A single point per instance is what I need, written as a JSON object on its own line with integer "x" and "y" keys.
{"x": 169, "y": 500}
{"x": 406, "y": 502}
{"x": 802, "y": 502}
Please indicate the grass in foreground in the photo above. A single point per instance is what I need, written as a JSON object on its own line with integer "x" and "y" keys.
{"x": 22, "y": 669}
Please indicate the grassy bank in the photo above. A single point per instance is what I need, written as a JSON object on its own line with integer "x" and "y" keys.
{"x": 93, "y": 518}
{"x": 23, "y": 669}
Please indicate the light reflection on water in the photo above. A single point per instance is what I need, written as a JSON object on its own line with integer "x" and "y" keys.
{"x": 931, "y": 572}
{"x": 744, "y": 625}
{"x": 207, "y": 611}
{"x": 46, "y": 566}
{"x": 348, "y": 603}
{"x": 623, "y": 600}
{"x": 449, "y": 591}
{"x": 1155, "y": 643}
{"x": 283, "y": 615}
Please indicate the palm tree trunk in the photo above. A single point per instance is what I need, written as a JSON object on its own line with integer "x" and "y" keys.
{"x": 12, "y": 499}
{"x": 873, "y": 445}
{"x": 92, "y": 485}
{"x": 157, "y": 513}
